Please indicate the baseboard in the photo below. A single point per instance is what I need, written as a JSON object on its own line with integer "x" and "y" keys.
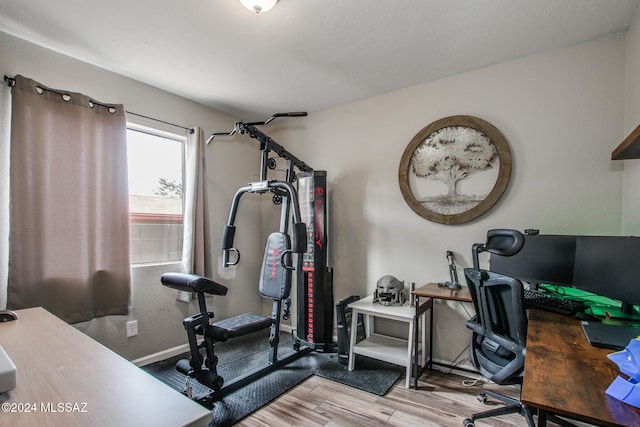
{"x": 460, "y": 372}
{"x": 161, "y": 355}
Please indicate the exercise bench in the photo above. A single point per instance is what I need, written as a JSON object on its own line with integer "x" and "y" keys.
{"x": 274, "y": 283}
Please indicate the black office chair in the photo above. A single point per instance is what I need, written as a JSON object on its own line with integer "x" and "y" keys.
{"x": 498, "y": 341}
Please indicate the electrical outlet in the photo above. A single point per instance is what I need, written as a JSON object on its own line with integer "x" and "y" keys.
{"x": 132, "y": 328}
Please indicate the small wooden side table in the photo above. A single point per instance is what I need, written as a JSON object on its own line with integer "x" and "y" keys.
{"x": 435, "y": 291}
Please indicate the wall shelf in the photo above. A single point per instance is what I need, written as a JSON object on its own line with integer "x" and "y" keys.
{"x": 629, "y": 148}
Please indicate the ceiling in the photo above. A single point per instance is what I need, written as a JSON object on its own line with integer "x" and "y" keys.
{"x": 304, "y": 55}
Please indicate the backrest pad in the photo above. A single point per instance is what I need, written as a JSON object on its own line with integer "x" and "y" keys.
{"x": 500, "y": 325}
{"x": 275, "y": 280}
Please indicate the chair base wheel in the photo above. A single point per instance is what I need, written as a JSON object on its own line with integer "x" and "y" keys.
{"x": 482, "y": 398}
{"x": 468, "y": 422}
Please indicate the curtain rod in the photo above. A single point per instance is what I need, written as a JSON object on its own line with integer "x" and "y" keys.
{"x": 190, "y": 130}
{"x": 11, "y": 82}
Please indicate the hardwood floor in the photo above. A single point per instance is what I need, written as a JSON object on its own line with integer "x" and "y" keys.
{"x": 441, "y": 400}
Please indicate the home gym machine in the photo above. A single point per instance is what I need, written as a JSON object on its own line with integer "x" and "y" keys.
{"x": 307, "y": 240}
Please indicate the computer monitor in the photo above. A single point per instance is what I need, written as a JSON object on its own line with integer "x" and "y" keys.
{"x": 544, "y": 258}
{"x": 609, "y": 266}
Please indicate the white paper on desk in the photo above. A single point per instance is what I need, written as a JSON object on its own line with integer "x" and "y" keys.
{"x": 8, "y": 372}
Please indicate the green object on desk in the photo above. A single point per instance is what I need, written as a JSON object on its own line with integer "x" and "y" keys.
{"x": 599, "y": 305}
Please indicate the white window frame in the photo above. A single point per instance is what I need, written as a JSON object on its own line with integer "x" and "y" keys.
{"x": 133, "y": 220}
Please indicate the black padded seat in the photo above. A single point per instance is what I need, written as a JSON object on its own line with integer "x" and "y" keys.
{"x": 229, "y": 328}
{"x": 192, "y": 283}
{"x": 244, "y": 324}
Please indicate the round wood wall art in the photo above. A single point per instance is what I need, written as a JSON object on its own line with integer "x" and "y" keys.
{"x": 455, "y": 169}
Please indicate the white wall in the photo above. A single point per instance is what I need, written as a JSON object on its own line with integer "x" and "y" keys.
{"x": 230, "y": 164}
{"x": 561, "y": 111}
{"x": 631, "y": 203}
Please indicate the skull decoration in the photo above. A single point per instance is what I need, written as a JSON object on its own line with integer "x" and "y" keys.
{"x": 390, "y": 291}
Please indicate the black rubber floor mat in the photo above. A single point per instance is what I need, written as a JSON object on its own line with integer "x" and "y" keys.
{"x": 370, "y": 375}
{"x": 239, "y": 356}
{"x": 237, "y": 405}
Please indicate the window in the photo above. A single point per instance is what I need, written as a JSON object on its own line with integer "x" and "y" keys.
{"x": 155, "y": 194}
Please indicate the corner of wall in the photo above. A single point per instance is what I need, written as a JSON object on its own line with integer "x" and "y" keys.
{"x": 631, "y": 176}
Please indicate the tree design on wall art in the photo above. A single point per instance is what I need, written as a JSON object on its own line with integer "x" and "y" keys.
{"x": 469, "y": 161}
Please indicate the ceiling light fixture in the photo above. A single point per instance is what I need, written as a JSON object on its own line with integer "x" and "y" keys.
{"x": 258, "y": 6}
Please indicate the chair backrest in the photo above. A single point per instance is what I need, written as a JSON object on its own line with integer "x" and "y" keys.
{"x": 498, "y": 342}
{"x": 275, "y": 279}
{"x": 500, "y": 241}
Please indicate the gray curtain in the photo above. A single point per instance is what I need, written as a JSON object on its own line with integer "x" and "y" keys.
{"x": 196, "y": 252}
{"x": 69, "y": 212}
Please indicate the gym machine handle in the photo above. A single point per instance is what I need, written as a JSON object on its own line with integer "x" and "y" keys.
{"x": 226, "y": 259}
{"x": 299, "y": 244}
{"x": 299, "y": 228}
{"x": 239, "y": 126}
{"x": 228, "y": 234}
{"x": 299, "y": 238}
{"x": 284, "y": 260}
{"x": 275, "y": 116}
{"x": 227, "y": 246}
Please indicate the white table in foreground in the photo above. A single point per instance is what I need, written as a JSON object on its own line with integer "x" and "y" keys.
{"x": 383, "y": 347}
{"x": 66, "y": 378}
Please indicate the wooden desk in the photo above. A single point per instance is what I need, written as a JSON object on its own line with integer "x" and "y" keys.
{"x": 57, "y": 364}
{"x": 382, "y": 347}
{"x": 434, "y": 291}
{"x": 565, "y": 375}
